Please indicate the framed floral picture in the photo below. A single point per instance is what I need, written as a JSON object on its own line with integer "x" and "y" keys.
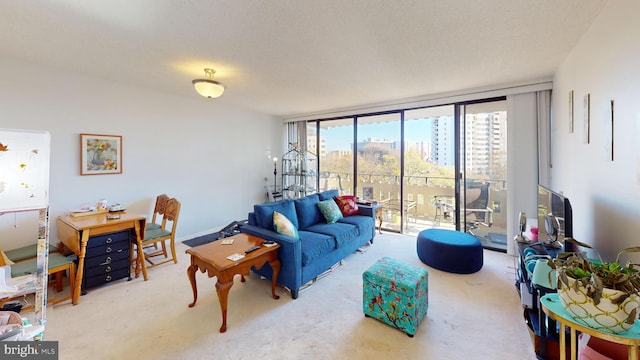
{"x": 100, "y": 154}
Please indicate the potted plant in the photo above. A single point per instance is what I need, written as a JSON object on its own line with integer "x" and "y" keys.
{"x": 598, "y": 294}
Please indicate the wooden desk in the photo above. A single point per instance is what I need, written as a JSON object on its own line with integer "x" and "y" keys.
{"x": 552, "y": 306}
{"x": 75, "y": 233}
{"x": 212, "y": 258}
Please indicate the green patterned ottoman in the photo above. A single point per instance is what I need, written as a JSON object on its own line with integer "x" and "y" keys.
{"x": 396, "y": 293}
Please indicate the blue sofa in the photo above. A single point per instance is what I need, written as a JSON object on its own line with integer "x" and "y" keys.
{"x": 319, "y": 246}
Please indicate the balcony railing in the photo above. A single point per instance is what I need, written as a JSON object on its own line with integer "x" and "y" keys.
{"x": 422, "y": 196}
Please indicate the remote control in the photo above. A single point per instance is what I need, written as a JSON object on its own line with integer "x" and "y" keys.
{"x": 253, "y": 248}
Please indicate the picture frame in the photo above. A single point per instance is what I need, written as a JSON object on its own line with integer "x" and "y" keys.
{"x": 367, "y": 193}
{"x": 587, "y": 119}
{"x": 610, "y": 130}
{"x": 100, "y": 154}
{"x": 571, "y": 112}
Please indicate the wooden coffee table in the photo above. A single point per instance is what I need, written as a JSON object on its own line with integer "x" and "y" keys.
{"x": 212, "y": 258}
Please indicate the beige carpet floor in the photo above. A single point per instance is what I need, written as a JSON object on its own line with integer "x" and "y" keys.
{"x": 476, "y": 316}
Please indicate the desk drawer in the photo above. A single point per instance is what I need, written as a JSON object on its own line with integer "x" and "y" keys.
{"x": 106, "y": 269}
{"x": 91, "y": 281}
{"x": 108, "y": 239}
{"x": 107, "y": 249}
{"x": 106, "y": 259}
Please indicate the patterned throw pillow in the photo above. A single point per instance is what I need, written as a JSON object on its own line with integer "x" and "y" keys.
{"x": 284, "y": 226}
{"x": 347, "y": 205}
{"x": 330, "y": 210}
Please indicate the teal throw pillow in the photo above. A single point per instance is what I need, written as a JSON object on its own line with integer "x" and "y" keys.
{"x": 284, "y": 226}
{"x": 330, "y": 210}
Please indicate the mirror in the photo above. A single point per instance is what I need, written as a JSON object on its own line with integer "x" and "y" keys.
{"x": 522, "y": 223}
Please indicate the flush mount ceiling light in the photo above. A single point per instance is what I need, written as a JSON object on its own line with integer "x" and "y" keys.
{"x": 208, "y": 87}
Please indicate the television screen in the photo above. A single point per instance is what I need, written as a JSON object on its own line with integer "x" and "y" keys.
{"x": 555, "y": 214}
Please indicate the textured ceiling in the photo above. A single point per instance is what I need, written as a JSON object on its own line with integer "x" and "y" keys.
{"x": 288, "y": 57}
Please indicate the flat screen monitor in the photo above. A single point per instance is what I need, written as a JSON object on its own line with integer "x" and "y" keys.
{"x": 555, "y": 218}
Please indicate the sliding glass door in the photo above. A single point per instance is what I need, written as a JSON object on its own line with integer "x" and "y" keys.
{"x": 483, "y": 161}
{"x": 441, "y": 166}
{"x": 429, "y": 168}
{"x": 378, "y": 163}
{"x": 335, "y": 152}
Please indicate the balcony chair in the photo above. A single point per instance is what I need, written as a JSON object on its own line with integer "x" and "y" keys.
{"x": 143, "y": 251}
{"x": 477, "y": 207}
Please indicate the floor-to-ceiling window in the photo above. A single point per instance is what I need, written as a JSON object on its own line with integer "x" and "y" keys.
{"x": 378, "y": 162}
{"x": 483, "y": 164}
{"x": 335, "y": 153}
{"x": 429, "y": 168}
{"x": 412, "y": 162}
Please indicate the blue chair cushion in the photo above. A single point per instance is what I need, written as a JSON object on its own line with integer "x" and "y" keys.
{"x": 30, "y": 266}
{"x": 155, "y": 233}
{"x": 26, "y": 252}
{"x": 152, "y": 226}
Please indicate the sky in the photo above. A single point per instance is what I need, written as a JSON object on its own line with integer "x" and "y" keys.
{"x": 341, "y": 138}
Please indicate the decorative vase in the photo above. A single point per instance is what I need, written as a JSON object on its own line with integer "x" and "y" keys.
{"x": 606, "y": 316}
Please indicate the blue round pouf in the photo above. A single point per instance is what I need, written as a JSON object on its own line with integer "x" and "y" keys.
{"x": 450, "y": 251}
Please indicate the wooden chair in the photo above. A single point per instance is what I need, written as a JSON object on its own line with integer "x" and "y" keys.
{"x": 155, "y": 236}
{"x": 158, "y": 212}
{"x": 156, "y": 219}
{"x": 30, "y": 252}
{"x": 58, "y": 265}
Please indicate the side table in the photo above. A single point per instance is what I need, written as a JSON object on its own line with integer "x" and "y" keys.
{"x": 377, "y": 208}
{"x": 212, "y": 258}
{"x": 552, "y": 306}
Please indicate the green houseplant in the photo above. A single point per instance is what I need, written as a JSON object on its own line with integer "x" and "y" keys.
{"x": 598, "y": 294}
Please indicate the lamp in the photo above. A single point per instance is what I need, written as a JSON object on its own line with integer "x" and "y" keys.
{"x": 275, "y": 173}
{"x": 208, "y": 87}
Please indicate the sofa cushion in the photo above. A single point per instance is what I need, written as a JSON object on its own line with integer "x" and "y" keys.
{"x": 314, "y": 245}
{"x": 330, "y": 210}
{"x": 347, "y": 205}
{"x": 328, "y": 194}
{"x": 284, "y": 226}
{"x": 264, "y": 213}
{"x": 308, "y": 211}
{"x": 343, "y": 233}
{"x": 363, "y": 223}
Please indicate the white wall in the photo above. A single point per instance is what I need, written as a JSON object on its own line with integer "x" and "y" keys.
{"x": 210, "y": 156}
{"x": 605, "y": 195}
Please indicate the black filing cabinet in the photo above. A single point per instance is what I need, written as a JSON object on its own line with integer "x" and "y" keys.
{"x": 107, "y": 259}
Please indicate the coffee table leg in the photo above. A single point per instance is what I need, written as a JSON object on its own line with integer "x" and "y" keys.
{"x": 275, "y": 265}
{"x": 191, "y": 274}
{"x": 223, "y": 295}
